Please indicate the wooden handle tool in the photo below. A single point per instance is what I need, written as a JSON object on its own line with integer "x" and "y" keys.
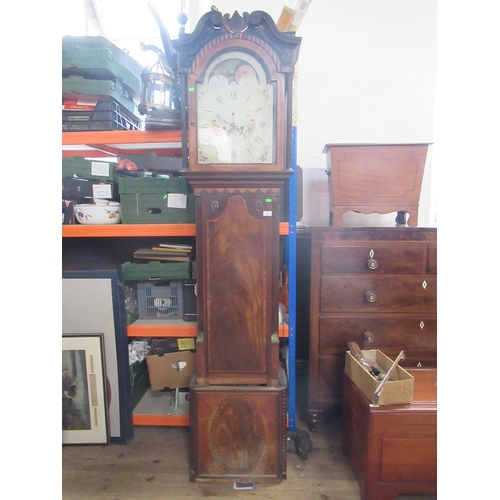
{"x": 373, "y": 368}
{"x": 378, "y": 391}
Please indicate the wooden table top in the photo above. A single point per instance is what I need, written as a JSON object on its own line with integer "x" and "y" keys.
{"x": 425, "y": 385}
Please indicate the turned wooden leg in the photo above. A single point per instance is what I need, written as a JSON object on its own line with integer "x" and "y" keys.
{"x": 313, "y": 418}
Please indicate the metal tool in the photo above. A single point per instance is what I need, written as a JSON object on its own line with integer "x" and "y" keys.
{"x": 378, "y": 391}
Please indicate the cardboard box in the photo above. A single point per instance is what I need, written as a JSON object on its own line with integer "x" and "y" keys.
{"x": 164, "y": 370}
{"x": 397, "y": 390}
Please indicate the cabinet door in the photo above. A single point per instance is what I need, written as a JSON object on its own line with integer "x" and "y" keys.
{"x": 240, "y": 281}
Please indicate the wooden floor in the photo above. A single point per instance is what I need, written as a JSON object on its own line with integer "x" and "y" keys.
{"x": 154, "y": 465}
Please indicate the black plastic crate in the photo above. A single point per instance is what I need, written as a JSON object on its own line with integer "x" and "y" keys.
{"x": 160, "y": 299}
{"x": 107, "y": 115}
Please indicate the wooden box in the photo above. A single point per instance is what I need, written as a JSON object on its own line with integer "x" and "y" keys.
{"x": 397, "y": 390}
{"x": 375, "y": 178}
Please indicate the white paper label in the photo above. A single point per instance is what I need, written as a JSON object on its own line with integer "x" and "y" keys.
{"x": 99, "y": 168}
{"x": 177, "y": 200}
{"x": 267, "y": 213}
{"x": 102, "y": 191}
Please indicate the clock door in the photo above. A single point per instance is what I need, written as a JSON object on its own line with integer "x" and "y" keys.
{"x": 239, "y": 253}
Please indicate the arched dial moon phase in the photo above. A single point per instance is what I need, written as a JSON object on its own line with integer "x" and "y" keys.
{"x": 235, "y": 111}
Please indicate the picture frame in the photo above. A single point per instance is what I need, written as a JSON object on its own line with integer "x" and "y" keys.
{"x": 93, "y": 301}
{"x": 84, "y": 390}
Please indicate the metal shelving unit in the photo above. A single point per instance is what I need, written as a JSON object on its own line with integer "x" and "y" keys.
{"x": 99, "y": 144}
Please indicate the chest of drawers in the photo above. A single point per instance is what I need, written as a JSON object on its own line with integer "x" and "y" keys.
{"x": 376, "y": 286}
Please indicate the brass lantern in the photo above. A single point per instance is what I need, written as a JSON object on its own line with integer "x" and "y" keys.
{"x": 160, "y": 94}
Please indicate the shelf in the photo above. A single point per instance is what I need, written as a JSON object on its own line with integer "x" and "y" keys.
{"x": 124, "y": 230}
{"x": 137, "y": 230}
{"x": 116, "y": 142}
{"x": 161, "y": 420}
{"x": 153, "y": 409}
{"x": 156, "y": 408}
{"x": 162, "y": 328}
{"x": 173, "y": 328}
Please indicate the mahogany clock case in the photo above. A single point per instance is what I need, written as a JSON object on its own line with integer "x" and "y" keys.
{"x": 236, "y": 76}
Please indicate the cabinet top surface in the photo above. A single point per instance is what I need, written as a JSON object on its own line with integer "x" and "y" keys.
{"x": 394, "y": 233}
{"x": 357, "y": 145}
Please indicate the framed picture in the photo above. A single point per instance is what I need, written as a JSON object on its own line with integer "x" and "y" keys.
{"x": 84, "y": 393}
{"x": 93, "y": 301}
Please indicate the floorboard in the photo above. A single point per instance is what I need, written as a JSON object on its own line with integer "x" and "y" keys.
{"x": 154, "y": 466}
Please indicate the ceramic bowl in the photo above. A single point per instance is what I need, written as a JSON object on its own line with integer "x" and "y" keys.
{"x": 98, "y": 214}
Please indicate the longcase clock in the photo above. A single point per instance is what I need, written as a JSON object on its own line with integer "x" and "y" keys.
{"x": 237, "y": 74}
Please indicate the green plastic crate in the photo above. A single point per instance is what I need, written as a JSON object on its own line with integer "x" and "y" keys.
{"x": 155, "y": 270}
{"x": 98, "y": 63}
{"x": 78, "y": 86}
{"x": 153, "y": 200}
{"x": 88, "y": 169}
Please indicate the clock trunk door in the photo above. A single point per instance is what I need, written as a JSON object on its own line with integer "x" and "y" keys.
{"x": 238, "y": 275}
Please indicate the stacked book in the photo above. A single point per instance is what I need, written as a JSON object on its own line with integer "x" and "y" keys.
{"x": 166, "y": 252}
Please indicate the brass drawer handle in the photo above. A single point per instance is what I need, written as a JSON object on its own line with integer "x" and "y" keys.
{"x": 368, "y": 337}
{"x": 370, "y": 296}
{"x": 372, "y": 263}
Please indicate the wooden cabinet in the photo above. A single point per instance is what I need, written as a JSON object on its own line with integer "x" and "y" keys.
{"x": 375, "y": 178}
{"x": 393, "y": 448}
{"x": 376, "y": 286}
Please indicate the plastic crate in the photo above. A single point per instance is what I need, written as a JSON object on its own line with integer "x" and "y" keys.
{"x": 157, "y": 271}
{"x": 98, "y": 63}
{"x": 77, "y": 87}
{"x": 94, "y": 169}
{"x": 107, "y": 115}
{"x": 149, "y": 200}
{"x": 160, "y": 300}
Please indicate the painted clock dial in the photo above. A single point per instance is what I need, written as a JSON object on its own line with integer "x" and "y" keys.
{"x": 235, "y": 112}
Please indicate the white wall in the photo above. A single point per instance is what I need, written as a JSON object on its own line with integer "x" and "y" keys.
{"x": 366, "y": 74}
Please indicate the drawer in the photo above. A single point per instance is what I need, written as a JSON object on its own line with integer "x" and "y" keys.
{"x": 402, "y": 294}
{"x": 416, "y": 334}
{"x": 374, "y": 259}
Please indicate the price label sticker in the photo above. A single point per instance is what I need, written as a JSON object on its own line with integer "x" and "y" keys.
{"x": 100, "y": 168}
{"x": 185, "y": 344}
{"x": 102, "y": 191}
{"x": 176, "y": 200}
